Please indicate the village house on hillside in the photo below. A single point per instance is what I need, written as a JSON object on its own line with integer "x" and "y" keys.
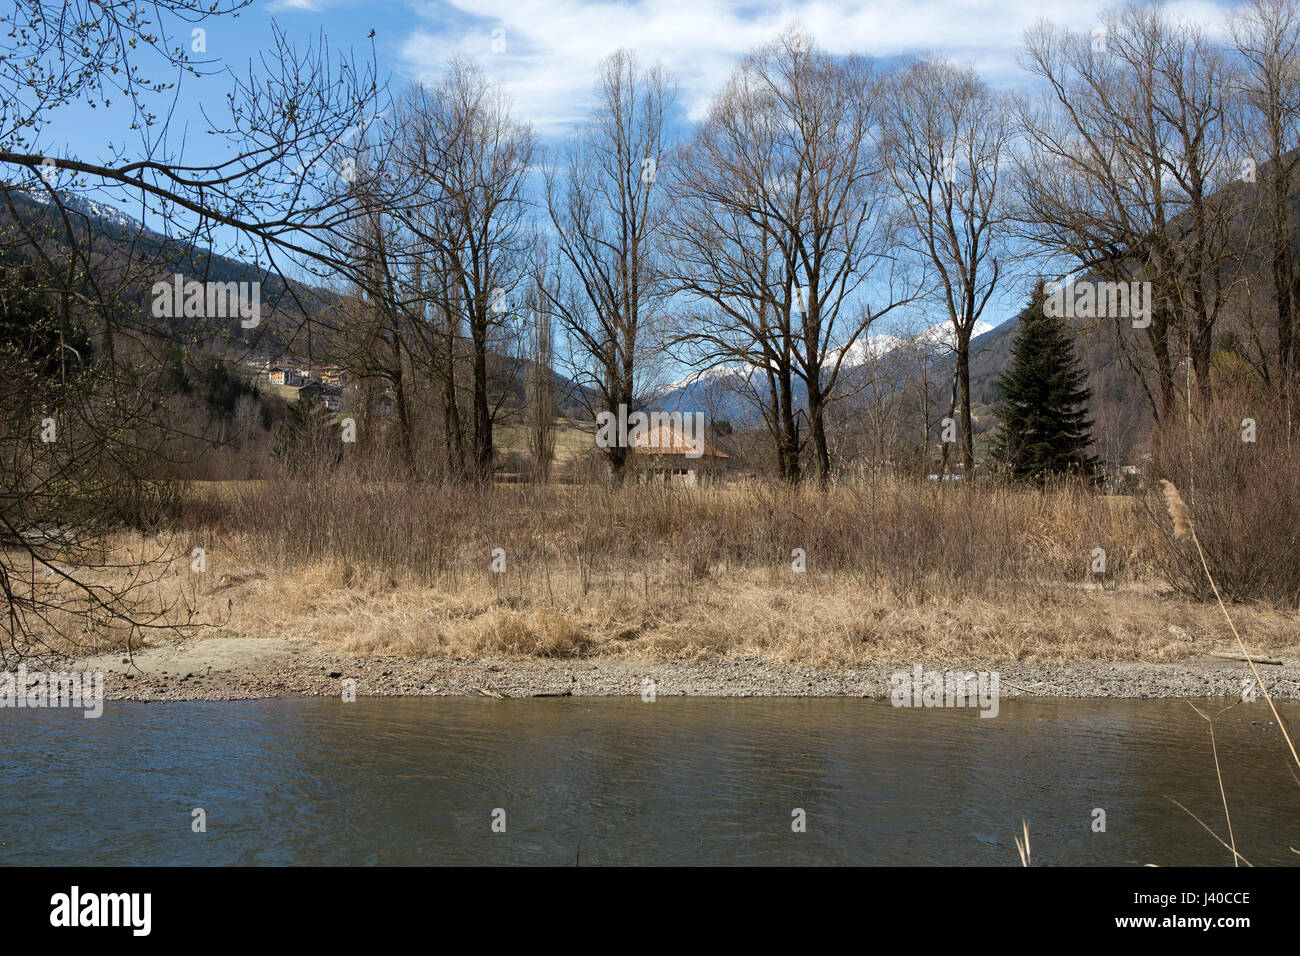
{"x": 330, "y": 396}
{"x": 662, "y": 455}
{"x": 283, "y": 375}
{"x": 297, "y": 376}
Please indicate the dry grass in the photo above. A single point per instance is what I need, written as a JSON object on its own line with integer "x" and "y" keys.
{"x": 892, "y": 571}
{"x": 113, "y": 593}
{"x": 818, "y": 621}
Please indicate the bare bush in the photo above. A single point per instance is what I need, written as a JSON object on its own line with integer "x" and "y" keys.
{"x": 1239, "y": 472}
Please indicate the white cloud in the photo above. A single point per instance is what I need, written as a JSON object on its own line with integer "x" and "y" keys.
{"x": 553, "y": 46}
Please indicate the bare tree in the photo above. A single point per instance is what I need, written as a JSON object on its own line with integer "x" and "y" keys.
{"x": 947, "y": 145}
{"x": 385, "y": 309}
{"x": 1128, "y": 156}
{"x": 479, "y": 158}
{"x": 783, "y": 219}
{"x": 540, "y": 401}
{"x": 1266, "y": 37}
{"x": 605, "y": 205}
{"x": 272, "y": 197}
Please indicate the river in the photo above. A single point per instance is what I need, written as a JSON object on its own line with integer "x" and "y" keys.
{"x": 620, "y": 781}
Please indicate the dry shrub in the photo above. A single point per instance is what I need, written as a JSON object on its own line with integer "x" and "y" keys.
{"x": 1242, "y": 497}
{"x": 894, "y": 572}
{"x": 916, "y": 541}
{"x": 893, "y": 569}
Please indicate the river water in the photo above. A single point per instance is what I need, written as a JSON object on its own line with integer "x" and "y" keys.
{"x": 620, "y": 781}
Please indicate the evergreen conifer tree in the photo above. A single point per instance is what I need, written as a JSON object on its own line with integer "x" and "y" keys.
{"x": 1044, "y": 429}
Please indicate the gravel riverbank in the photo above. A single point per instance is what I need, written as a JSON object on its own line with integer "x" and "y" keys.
{"x": 244, "y": 668}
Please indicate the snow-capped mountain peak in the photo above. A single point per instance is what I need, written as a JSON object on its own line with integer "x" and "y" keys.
{"x": 942, "y": 333}
{"x": 716, "y": 373}
{"x": 89, "y": 207}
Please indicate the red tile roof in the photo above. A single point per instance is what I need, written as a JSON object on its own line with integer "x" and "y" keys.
{"x": 666, "y": 440}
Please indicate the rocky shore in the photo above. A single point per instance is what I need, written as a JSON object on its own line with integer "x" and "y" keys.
{"x": 226, "y": 668}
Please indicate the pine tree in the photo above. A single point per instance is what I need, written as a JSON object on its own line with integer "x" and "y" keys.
{"x": 1045, "y": 429}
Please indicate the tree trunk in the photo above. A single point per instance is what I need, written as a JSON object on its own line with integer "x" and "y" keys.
{"x": 482, "y": 413}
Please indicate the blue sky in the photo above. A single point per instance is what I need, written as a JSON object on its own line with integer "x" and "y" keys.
{"x": 552, "y": 46}
{"x": 545, "y": 52}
